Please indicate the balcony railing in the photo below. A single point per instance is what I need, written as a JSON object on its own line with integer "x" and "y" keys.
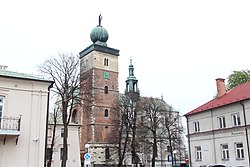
{"x": 10, "y": 123}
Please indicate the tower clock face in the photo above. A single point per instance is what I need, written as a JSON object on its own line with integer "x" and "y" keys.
{"x": 106, "y": 75}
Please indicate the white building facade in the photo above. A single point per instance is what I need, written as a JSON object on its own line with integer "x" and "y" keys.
{"x": 23, "y": 113}
{"x": 73, "y": 159}
{"x": 218, "y": 131}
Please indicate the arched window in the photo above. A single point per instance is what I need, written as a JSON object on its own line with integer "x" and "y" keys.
{"x": 107, "y": 153}
{"x": 106, "y": 113}
{"x": 106, "y": 90}
{"x": 74, "y": 118}
{"x": 106, "y": 62}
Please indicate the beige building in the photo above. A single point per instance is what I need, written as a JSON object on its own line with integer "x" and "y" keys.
{"x": 218, "y": 131}
{"x": 73, "y": 143}
{"x": 23, "y": 113}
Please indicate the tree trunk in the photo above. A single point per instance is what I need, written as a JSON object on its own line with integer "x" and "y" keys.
{"x": 154, "y": 149}
{"x": 65, "y": 147}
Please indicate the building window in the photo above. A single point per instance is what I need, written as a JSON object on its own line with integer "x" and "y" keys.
{"x": 196, "y": 126}
{"x": 198, "y": 155}
{"x": 48, "y": 153}
{"x": 107, "y": 153}
{"x": 239, "y": 150}
{"x": 74, "y": 118}
{"x": 1, "y": 106}
{"x": 222, "y": 122}
{"x": 224, "y": 152}
{"x": 61, "y": 155}
{"x": 106, "y": 62}
{"x": 106, "y": 113}
{"x": 106, "y": 90}
{"x": 236, "y": 119}
{"x": 62, "y": 132}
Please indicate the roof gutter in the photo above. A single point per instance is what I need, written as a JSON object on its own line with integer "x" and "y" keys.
{"x": 46, "y": 129}
{"x": 189, "y": 147}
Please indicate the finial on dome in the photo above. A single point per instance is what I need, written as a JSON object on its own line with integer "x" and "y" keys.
{"x": 100, "y": 19}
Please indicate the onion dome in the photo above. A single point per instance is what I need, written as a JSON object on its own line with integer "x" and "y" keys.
{"x": 99, "y": 35}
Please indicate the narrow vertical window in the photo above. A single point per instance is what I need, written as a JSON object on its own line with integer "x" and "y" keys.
{"x": 224, "y": 152}
{"x": 48, "y": 153}
{"x": 1, "y": 107}
{"x": 236, "y": 119}
{"x": 106, "y": 90}
{"x": 62, "y": 132}
{"x": 107, "y": 153}
{"x": 106, "y": 62}
{"x": 106, "y": 113}
{"x": 198, "y": 155}
{"x": 196, "y": 126}
{"x": 239, "y": 151}
{"x": 221, "y": 122}
{"x": 74, "y": 118}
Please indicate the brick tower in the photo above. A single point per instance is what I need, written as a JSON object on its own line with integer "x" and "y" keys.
{"x": 99, "y": 91}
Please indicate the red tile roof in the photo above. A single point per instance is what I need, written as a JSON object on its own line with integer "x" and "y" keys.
{"x": 240, "y": 92}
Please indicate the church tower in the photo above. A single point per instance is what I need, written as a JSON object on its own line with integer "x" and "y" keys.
{"x": 99, "y": 91}
{"x": 132, "y": 84}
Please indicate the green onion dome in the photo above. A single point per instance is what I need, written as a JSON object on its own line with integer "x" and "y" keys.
{"x": 99, "y": 35}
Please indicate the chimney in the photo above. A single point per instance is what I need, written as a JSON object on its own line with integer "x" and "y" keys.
{"x": 221, "y": 88}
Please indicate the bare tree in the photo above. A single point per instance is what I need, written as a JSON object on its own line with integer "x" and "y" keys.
{"x": 64, "y": 71}
{"x": 153, "y": 108}
{"x": 123, "y": 129}
{"x": 173, "y": 131}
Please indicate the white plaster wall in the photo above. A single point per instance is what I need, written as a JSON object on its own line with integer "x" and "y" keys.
{"x": 73, "y": 146}
{"x": 28, "y": 99}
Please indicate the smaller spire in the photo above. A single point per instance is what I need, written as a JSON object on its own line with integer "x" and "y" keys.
{"x": 131, "y": 82}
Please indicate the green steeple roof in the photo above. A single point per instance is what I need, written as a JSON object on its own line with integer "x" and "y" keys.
{"x": 131, "y": 82}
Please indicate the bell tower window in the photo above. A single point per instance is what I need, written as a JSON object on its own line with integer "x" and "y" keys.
{"x": 106, "y": 62}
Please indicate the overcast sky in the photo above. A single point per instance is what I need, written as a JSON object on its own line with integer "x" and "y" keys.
{"x": 178, "y": 47}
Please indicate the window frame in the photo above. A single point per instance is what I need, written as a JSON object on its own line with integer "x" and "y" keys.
{"x": 196, "y": 125}
{"x": 198, "y": 153}
{"x": 239, "y": 151}
{"x": 221, "y": 122}
{"x": 236, "y": 119}
{"x": 224, "y": 152}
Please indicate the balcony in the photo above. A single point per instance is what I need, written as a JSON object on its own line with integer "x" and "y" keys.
{"x": 9, "y": 128}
